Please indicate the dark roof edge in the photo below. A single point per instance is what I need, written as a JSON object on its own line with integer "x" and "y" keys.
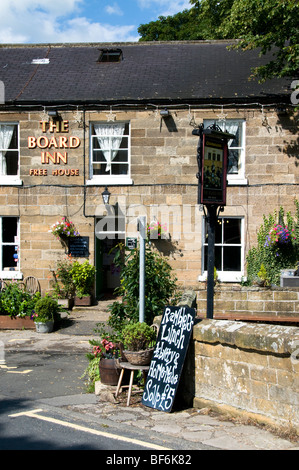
{"x": 251, "y": 102}
{"x": 114, "y": 44}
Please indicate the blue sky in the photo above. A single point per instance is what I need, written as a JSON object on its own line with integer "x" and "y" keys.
{"x": 55, "y": 21}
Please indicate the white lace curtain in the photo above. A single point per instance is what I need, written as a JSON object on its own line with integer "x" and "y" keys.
{"x": 109, "y": 137}
{"x": 6, "y": 133}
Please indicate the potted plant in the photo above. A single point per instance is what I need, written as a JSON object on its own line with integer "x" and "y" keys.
{"x": 63, "y": 284}
{"x": 83, "y": 279}
{"x": 45, "y": 312}
{"x": 102, "y": 362}
{"x": 16, "y": 305}
{"x": 139, "y": 339}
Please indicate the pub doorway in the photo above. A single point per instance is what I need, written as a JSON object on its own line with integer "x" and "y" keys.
{"x": 107, "y": 273}
{"x": 109, "y": 232}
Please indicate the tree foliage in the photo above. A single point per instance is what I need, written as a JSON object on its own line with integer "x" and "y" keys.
{"x": 269, "y": 25}
{"x": 179, "y": 27}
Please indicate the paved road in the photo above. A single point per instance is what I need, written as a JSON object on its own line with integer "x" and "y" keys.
{"x": 37, "y": 394}
{"x": 43, "y": 372}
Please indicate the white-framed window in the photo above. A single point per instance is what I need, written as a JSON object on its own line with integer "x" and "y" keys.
{"x": 9, "y": 153}
{"x": 229, "y": 249}
{"x": 110, "y": 161}
{"x": 10, "y": 247}
{"x": 236, "y": 148}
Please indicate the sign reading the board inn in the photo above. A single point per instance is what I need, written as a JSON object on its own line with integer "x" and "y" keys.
{"x": 168, "y": 358}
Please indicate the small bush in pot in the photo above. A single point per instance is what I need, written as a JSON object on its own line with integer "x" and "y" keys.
{"x": 45, "y": 313}
{"x": 138, "y": 336}
{"x": 46, "y": 309}
{"x": 83, "y": 278}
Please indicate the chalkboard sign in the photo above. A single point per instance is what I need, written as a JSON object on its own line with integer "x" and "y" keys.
{"x": 79, "y": 247}
{"x": 168, "y": 358}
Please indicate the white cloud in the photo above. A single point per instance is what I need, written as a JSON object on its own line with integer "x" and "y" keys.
{"x": 81, "y": 30}
{"x": 36, "y": 21}
{"x": 166, "y": 8}
{"x": 114, "y": 9}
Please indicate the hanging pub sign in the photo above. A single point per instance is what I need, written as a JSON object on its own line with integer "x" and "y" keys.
{"x": 212, "y": 154}
{"x": 214, "y": 167}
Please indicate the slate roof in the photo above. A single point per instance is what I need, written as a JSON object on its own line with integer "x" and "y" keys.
{"x": 165, "y": 72}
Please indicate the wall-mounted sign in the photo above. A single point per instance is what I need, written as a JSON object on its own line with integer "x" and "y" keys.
{"x": 131, "y": 243}
{"x": 54, "y": 149}
{"x": 168, "y": 358}
{"x": 79, "y": 247}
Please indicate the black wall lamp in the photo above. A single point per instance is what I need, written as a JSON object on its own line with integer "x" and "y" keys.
{"x": 106, "y": 196}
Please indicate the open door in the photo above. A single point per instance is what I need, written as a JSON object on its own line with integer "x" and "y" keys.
{"x": 107, "y": 273}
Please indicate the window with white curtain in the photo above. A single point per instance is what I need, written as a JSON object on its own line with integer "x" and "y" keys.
{"x": 9, "y": 153}
{"x": 236, "y": 148}
{"x": 109, "y": 153}
{"x": 9, "y": 247}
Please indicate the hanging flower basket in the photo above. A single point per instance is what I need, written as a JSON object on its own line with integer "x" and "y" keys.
{"x": 155, "y": 230}
{"x": 279, "y": 235}
{"x": 64, "y": 229}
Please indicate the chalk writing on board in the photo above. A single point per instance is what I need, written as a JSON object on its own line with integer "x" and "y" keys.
{"x": 168, "y": 357}
{"x": 79, "y": 247}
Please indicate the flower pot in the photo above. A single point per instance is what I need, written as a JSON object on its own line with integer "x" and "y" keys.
{"x": 139, "y": 358}
{"x": 109, "y": 373}
{"x": 66, "y": 303}
{"x": 83, "y": 301}
{"x": 44, "y": 327}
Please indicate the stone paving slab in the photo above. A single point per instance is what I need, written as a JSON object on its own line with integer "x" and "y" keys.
{"x": 191, "y": 426}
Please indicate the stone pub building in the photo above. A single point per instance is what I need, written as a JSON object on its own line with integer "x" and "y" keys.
{"x": 76, "y": 119}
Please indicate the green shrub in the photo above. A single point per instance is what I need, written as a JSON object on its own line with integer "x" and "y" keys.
{"x": 15, "y": 301}
{"x": 83, "y": 277}
{"x": 270, "y": 256}
{"x": 160, "y": 287}
{"x": 45, "y": 309}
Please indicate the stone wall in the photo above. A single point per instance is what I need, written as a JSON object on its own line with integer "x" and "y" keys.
{"x": 163, "y": 170}
{"x": 244, "y": 367}
{"x": 275, "y": 304}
